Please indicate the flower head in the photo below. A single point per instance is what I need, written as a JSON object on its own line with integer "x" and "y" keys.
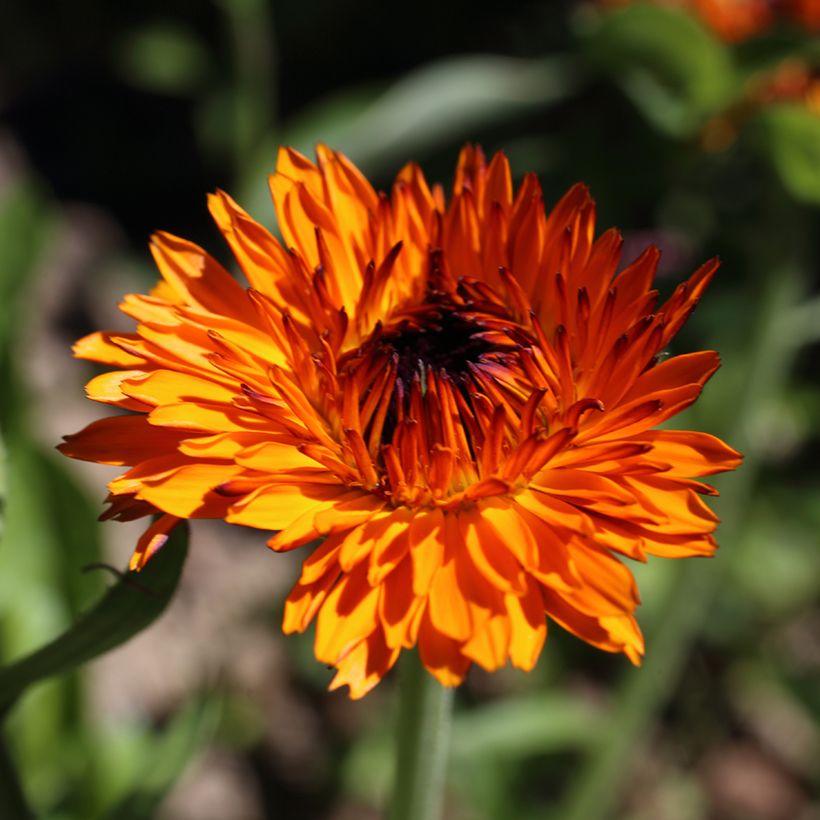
{"x": 735, "y": 21}
{"x": 792, "y": 81}
{"x": 460, "y": 398}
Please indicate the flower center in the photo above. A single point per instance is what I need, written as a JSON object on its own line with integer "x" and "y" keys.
{"x": 409, "y": 370}
{"x": 439, "y": 340}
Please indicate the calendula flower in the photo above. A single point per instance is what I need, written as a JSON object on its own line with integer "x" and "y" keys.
{"x": 806, "y": 13}
{"x": 738, "y": 20}
{"x": 459, "y": 398}
{"x": 792, "y": 81}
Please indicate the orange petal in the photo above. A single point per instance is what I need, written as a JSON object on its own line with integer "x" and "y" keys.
{"x": 611, "y": 633}
{"x": 276, "y": 506}
{"x": 152, "y": 541}
{"x": 198, "y": 279}
{"x": 448, "y": 611}
{"x": 440, "y": 654}
{"x": 99, "y": 347}
{"x": 210, "y": 418}
{"x": 607, "y": 586}
{"x": 400, "y": 609}
{"x": 188, "y": 491}
{"x": 682, "y": 511}
{"x": 488, "y": 646}
{"x": 107, "y": 388}
{"x": 490, "y": 553}
{"x": 426, "y": 534}
{"x": 351, "y": 510}
{"x": 692, "y": 454}
{"x": 306, "y": 597}
{"x": 120, "y": 440}
{"x": 582, "y": 487}
{"x": 270, "y": 456}
{"x": 347, "y": 617}
{"x": 169, "y": 387}
{"x": 528, "y": 627}
{"x": 364, "y": 665}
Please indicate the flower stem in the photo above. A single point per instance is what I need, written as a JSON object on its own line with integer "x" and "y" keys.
{"x": 12, "y": 798}
{"x": 423, "y": 736}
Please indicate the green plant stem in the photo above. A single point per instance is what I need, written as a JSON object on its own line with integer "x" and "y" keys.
{"x": 13, "y": 801}
{"x": 644, "y": 692}
{"x": 424, "y": 719}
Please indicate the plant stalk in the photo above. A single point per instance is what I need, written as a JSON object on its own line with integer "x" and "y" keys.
{"x": 423, "y": 730}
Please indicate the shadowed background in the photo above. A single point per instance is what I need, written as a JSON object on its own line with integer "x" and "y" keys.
{"x": 116, "y": 120}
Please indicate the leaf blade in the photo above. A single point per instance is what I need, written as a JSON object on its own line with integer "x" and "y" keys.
{"x": 130, "y": 606}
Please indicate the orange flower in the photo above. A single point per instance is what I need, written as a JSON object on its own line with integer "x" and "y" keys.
{"x": 460, "y": 399}
{"x": 791, "y": 81}
{"x": 805, "y": 13}
{"x": 737, "y": 20}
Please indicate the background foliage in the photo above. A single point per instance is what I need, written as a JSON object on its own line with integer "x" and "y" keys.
{"x": 116, "y": 120}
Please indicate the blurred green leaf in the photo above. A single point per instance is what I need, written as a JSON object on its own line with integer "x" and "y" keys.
{"x": 790, "y": 135}
{"x": 23, "y": 229}
{"x": 780, "y": 573}
{"x": 24, "y": 226}
{"x": 50, "y": 532}
{"x": 3, "y": 484}
{"x": 445, "y": 100}
{"x": 33, "y": 540}
{"x": 129, "y": 607}
{"x": 674, "y": 70}
{"x": 769, "y": 702}
{"x": 164, "y": 57}
{"x": 73, "y": 519}
{"x": 170, "y": 755}
{"x": 437, "y": 103}
{"x": 803, "y": 324}
{"x": 526, "y": 726}
{"x": 509, "y": 729}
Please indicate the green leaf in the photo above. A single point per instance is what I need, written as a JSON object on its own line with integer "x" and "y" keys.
{"x": 24, "y": 226}
{"x": 510, "y": 730}
{"x": 164, "y": 58}
{"x": 127, "y": 608}
{"x": 440, "y": 102}
{"x": 676, "y": 73}
{"x": 525, "y": 726}
{"x": 171, "y": 754}
{"x": 790, "y": 134}
{"x": 76, "y": 530}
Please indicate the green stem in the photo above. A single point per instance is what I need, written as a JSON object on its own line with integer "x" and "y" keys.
{"x": 13, "y": 801}
{"x": 425, "y": 708}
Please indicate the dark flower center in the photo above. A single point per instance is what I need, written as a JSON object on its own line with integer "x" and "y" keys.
{"x": 442, "y": 340}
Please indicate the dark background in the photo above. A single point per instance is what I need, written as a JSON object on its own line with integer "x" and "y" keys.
{"x": 117, "y": 119}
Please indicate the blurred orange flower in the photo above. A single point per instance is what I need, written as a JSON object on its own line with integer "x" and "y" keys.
{"x": 458, "y": 397}
{"x": 791, "y": 81}
{"x": 738, "y": 20}
{"x": 805, "y": 13}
